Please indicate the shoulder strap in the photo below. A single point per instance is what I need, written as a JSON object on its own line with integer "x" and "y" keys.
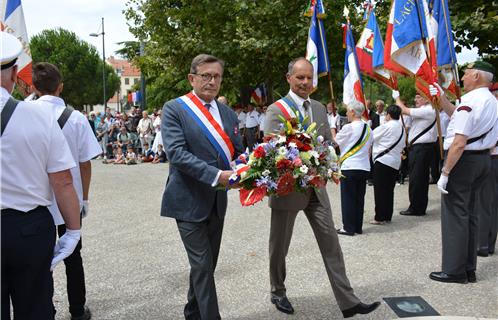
{"x": 391, "y": 147}
{"x": 357, "y": 143}
{"x": 64, "y": 117}
{"x": 422, "y": 133}
{"x": 472, "y": 140}
{"x": 7, "y": 112}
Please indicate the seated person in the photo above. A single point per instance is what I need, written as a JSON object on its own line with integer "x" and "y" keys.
{"x": 147, "y": 153}
{"x": 160, "y": 156}
{"x": 120, "y": 157}
{"x": 131, "y": 157}
{"x": 124, "y": 139}
{"x": 112, "y": 156}
{"x": 112, "y": 139}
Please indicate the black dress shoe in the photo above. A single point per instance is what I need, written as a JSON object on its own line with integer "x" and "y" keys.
{"x": 344, "y": 232}
{"x": 408, "y": 212}
{"x": 360, "y": 308}
{"x": 283, "y": 304}
{"x": 483, "y": 252}
{"x": 471, "y": 276}
{"x": 444, "y": 277}
{"x": 87, "y": 315}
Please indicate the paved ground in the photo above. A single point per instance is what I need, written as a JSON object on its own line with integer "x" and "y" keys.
{"x": 136, "y": 267}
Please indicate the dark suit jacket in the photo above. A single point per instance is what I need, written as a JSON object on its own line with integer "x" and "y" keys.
{"x": 194, "y": 164}
{"x": 375, "y": 118}
{"x": 297, "y": 200}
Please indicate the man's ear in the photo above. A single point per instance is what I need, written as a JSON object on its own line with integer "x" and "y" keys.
{"x": 60, "y": 87}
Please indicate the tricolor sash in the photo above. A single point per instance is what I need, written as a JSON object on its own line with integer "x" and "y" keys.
{"x": 211, "y": 128}
{"x": 288, "y": 109}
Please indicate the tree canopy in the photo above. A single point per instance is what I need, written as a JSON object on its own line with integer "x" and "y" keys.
{"x": 79, "y": 63}
{"x": 257, "y": 39}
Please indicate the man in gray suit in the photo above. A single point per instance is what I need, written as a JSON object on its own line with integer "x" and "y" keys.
{"x": 314, "y": 203}
{"x": 201, "y": 138}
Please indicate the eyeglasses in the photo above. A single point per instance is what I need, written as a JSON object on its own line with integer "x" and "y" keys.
{"x": 206, "y": 77}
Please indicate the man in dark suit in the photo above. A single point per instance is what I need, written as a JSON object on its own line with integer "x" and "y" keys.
{"x": 201, "y": 138}
{"x": 314, "y": 203}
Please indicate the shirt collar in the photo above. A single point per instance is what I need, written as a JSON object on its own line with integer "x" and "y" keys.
{"x": 212, "y": 102}
{"x": 52, "y": 99}
{"x": 297, "y": 99}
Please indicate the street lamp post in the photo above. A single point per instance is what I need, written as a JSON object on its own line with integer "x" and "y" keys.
{"x": 103, "y": 59}
{"x": 120, "y": 106}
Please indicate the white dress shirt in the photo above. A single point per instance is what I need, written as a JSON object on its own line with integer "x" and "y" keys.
{"x": 252, "y": 119}
{"x": 346, "y": 138}
{"x": 423, "y": 117}
{"x": 299, "y": 104}
{"x": 385, "y": 136}
{"x": 242, "y": 120}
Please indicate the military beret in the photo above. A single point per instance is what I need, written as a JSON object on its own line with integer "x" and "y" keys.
{"x": 482, "y": 65}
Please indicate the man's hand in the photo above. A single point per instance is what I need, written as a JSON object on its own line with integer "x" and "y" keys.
{"x": 436, "y": 90}
{"x": 224, "y": 178}
{"x": 86, "y": 209}
{"x": 395, "y": 94}
{"x": 65, "y": 246}
{"x": 442, "y": 182}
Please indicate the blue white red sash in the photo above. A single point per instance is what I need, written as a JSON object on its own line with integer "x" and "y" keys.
{"x": 211, "y": 128}
{"x": 288, "y": 109}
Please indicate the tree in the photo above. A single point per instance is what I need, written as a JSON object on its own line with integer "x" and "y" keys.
{"x": 79, "y": 63}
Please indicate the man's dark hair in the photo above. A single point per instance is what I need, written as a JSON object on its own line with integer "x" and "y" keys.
{"x": 293, "y": 62}
{"x": 46, "y": 77}
{"x": 394, "y": 111}
{"x": 202, "y": 59}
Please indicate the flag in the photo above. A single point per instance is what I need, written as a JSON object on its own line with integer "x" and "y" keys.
{"x": 370, "y": 52}
{"x": 315, "y": 5}
{"x": 12, "y": 21}
{"x": 316, "y": 49}
{"x": 259, "y": 94}
{"x": 446, "y": 56}
{"x": 353, "y": 86}
{"x": 368, "y": 7}
{"x": 410, "y": 48}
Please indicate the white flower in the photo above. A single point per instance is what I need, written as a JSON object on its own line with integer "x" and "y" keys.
{"x": 292, "y": 145}
{"x": 303, "y": 169}
{"x": 243, "y": 174}
{"x": 281, "y": 139}
{"x": 265, "y": 173}
{"x": 282, "y": 150}
{"x": 314, "y": 154}
{"x": 319, "y": 139}
{"x": 330, "y": 173}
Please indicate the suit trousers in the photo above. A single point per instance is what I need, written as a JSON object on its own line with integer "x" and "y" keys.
{"x": 420, "y": 160}
{"x": 384, "y": 182}
{"x": 353, "y": 189}
{"x": 320, "y": 219}
{"x": 459, "y": 220}
{"x": 202, "y": 242}
{"x": 28, "y": 241}
{"x": 75, "y": 275}
{"x": 487, "y": 208}
{"x": 251, "y": 134}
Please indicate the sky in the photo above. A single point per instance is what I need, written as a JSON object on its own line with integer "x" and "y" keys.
{"x": 85, "y": 16}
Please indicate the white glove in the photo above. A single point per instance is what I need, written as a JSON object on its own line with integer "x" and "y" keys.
{"x": 435, "y": 89}
{"x": 441, "y": 184}
{"x": 65, "y": 246}
{"x": 86, "y": 209}
{"x": 395, "y": 94}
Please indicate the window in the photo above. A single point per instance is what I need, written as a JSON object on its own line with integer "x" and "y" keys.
{"x": 135, "y": 81}
{"x": 127, "y": 80}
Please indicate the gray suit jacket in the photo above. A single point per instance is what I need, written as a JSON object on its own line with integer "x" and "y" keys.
{"x": 194, "y": 164}
{"x": 298, "y": 201}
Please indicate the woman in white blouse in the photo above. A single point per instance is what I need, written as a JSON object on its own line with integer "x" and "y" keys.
{"x": 158, "y": 140}
{"x": 389, "y": 141}
{"x": 354, "y": 140}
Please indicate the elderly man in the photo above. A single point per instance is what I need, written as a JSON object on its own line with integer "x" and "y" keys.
{"x": 421, "y": 139}
{"x": 314, "y": 203}
{"x": 469, "y": 138}
{"x": 145, "y": 129}
{"x": 201, "y": 138}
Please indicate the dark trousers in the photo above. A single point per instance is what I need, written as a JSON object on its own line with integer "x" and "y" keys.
{"x": 202, "y": 242}
{"x": 459, "y": 220}
{"x": 28, "y": 241}
{"x": 436, "y": 163}
{"x": 353, "y": 189}
{"x": 419, "y": 162}
{"x": 384, "y": 182}
{"x": 487, "y": 209}
{"x": 251, "y": 135}
{"x": 75, "y": 274}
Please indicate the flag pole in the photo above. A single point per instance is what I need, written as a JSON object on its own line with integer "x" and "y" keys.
{"x": 454, "y": 66}
{"x": 331, "y": 86}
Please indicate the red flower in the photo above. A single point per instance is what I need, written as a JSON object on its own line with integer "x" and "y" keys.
{"x": 259, "y": 152}
{"x": 285, "y": 184}
{"x": 283, "y": 164}
{"x": 250, "y": 197}
{"x": 318, "y": 182}
{"x": 297, "y": 162}
{"x": 305, "y": 147}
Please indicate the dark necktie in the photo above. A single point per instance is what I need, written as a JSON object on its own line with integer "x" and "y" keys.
{"x": 208, "y": 106}
{"x": 306, "y": 107}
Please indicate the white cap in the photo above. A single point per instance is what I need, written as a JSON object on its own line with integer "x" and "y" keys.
{"x": 10, "y": 49}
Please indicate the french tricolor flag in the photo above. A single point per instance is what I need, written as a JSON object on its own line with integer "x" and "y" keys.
{"x": 12, "y": 21}
{"x": 370, "y": 52}
{"x": 410, "y": 48}
{"x": 353, "y": 85}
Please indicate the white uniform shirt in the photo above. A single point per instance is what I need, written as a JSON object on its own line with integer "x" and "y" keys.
{"x": 385, "y": 136}
{"x": 242, "y": 120}
{"x": 346, "y": 138}
{"x": 475, "y": 116}
{"x": 299, "y": 104}
{"x": 252, "y": 119}
{"x": 81, "y": 141}
{"x": 495, "y": 134}
{"x": 445, "y": 120}
{"x": 262, "y": 118}
{"x": 422, "y": 118}
{"x": 31, "y": 147}
{"x": 333, "y": 120}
